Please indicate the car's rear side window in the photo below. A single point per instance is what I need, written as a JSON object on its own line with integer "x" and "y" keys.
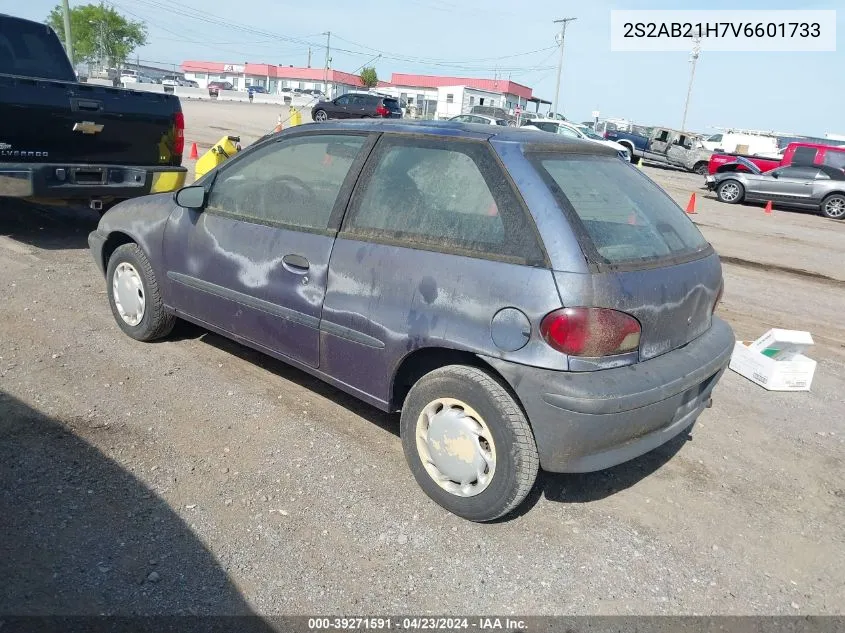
{"x": 441, "y": 195}
{"x": 32, "y": 50}
{"x": 621, "y": 216}
{"x": 834, "y": 159}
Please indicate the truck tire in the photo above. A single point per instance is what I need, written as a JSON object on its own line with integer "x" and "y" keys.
{"x": 630, "y": 149}
{"x": 134, "y": 295}
{"x": 701, "y": 168}
{"x": 468, "y": 443}
{"x": 833, "y": 206}
{"x": 730, "y": 191}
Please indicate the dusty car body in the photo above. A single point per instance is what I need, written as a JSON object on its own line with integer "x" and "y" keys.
{"x": 523, "y": 300}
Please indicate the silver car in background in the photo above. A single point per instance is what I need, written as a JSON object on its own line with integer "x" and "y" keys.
{"x": 819, "y": 187}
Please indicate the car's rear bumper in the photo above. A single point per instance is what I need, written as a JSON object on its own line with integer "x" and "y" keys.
{"x": 63, "y": 181}
{"x": 586, "y": 421}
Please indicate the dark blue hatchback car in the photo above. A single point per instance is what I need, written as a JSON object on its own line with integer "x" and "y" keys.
{"x": 524, "y": 302}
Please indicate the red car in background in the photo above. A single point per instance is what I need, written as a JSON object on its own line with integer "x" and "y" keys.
{"x": 795, "y": 153}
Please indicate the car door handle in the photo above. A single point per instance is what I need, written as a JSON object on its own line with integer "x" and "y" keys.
{"x": 296, "y": 263}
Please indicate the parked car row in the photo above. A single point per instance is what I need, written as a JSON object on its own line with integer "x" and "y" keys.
{"x": 573, "y": 130}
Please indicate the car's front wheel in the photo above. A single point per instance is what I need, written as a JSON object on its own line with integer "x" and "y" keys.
{"x": 134, "y": 295}
{"x": 320, "y": 116}
{"x": 730, "y": 191}
{"x": 833, "y": 206}
{"x": 468, "y": 443}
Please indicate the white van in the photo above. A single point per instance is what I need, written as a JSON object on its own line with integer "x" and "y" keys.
{"x": 728, "y": 142}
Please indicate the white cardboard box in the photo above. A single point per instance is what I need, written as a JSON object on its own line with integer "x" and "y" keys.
{"x": 795, "y": 374}
{"x": 782, "y": 344}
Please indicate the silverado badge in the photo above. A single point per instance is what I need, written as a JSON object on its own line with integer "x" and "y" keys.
{"x": 87, "y": 127}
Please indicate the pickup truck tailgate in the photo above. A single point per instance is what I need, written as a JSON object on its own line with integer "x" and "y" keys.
{"x": 64, "y": 122}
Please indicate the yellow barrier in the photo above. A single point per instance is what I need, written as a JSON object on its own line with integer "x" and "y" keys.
{"x": 225, "y": 148}
{"x": 295, "y": 117}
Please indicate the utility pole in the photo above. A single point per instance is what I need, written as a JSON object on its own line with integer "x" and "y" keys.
{"x": 563, "y": 22}
{"x": 696, "y": 51}
{"x": 68, "y": 41}
{"x": 328, "y": 35}
{"x": 309, "y": 57}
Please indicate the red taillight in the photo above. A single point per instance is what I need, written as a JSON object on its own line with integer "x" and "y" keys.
{"x": 591, "y": 332}
{"x": 179, "y": 138}
{"x": 382, "y": 111}
{"x": 605, "y": 135}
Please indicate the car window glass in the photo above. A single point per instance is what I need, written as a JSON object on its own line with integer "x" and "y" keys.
{"x": 624, "y": 215}
{"x": 294, "y": 182}
{"x": 565, "y": 131}
{"x": 797, "y": 172}
{"x": 804, "y": 156}
{"x": 428, "y": 194}
{"x": 834, "y": 159}
{"x": 342, "y": 101}
{"x": 547, "y": 126}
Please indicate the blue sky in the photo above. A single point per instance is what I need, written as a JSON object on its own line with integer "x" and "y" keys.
{"x": 787, "y": 92}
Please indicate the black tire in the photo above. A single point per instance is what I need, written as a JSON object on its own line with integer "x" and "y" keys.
{"x": 833, "y": 206}
{"x": 321, "y": 115}
{"x": 156, "y": 322}
{"x": 630, "y": 149}
{"x": 726, "y": 186}
{"x": 701, "y": 169}
{"x": 517, "y": 462}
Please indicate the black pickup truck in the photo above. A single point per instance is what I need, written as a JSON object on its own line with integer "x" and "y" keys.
{"x": 65, "y": 141}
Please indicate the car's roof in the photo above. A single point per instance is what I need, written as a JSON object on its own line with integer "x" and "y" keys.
{"x": 477, "y": 131}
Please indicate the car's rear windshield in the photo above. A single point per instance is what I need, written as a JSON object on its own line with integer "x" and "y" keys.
{"x": 620, "y": 214}
{"x": 32, "y": 50}
{"x": 392, "y": 104}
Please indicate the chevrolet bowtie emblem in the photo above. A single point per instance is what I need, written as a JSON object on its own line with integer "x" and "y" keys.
{"x": 87, "y": 127}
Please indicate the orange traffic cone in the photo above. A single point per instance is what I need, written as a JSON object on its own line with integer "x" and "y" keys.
{"x": 279, "y": 125}
{"x": 194, "y": 153}
{"x": 768, "y": 209}
{"x": 691, "y": 204}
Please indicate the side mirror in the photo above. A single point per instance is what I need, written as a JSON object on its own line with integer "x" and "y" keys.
{"x": 775, "y": 174}
{"x": 192, "y": 197}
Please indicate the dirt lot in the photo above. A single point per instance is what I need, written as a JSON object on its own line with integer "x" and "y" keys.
{"x": 196, "y": 476}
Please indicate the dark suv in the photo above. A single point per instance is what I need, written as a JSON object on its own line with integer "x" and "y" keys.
{"x": 357, "y": 106}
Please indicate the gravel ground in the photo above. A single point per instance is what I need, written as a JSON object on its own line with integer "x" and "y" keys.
{"x": 196, "y": 476}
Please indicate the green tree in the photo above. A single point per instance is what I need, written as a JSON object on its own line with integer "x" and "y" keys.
{"x": 100, "y": 34}
{"x": 369, "y": 77}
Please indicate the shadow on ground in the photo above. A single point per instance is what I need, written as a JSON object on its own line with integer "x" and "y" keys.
{"x": 51, "y": 228}
{"x": 82, "y": 536}
{"x": 560, "y": 487}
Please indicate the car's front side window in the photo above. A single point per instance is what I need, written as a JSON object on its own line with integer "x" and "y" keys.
{"x": 440, "y": 196}
{"x": 292, "y": 182}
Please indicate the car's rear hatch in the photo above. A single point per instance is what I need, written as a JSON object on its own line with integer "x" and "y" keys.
{"x": 645, "y": 255}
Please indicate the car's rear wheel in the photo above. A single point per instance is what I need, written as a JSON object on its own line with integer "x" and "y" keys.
{"x": 730, "y": 191}
{"x": 833, "y": 206}
{"x": 700, "y": 169}
{"x": 320, "y": 116}
{"x": 134, "y": 295}
{"x": 468, "y": 443}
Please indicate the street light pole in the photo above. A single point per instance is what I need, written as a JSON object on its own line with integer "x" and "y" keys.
{"x": 68, "y": 41}
{"x": 696, "y": 51}
{"x": 328, "y": 35}
{"x": 563, "y": 22}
